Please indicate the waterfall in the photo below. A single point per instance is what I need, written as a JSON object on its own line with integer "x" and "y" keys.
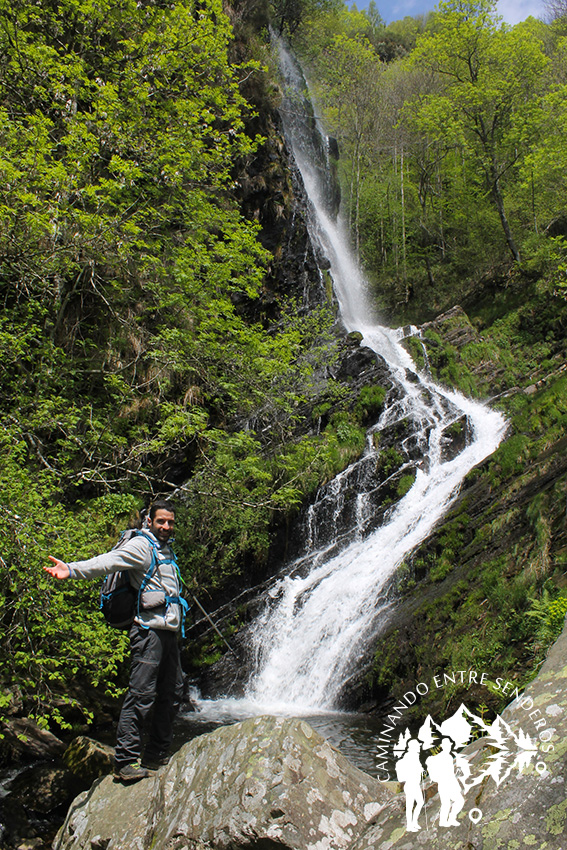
{"x": 319, "y": 619}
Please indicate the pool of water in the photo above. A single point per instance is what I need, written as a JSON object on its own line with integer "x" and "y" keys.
{"x": 354, "y": 735}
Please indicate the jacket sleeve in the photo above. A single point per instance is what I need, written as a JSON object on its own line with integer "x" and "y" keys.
{"x": 134, "y": 555}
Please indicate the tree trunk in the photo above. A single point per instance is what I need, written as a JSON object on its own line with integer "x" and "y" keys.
{"x": 499, "y": 201}
{"x": 403, "y": 200}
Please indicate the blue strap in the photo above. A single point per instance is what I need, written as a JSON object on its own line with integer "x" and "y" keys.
{"x": 149, "y": 572}
{"x": 177, "y": 600}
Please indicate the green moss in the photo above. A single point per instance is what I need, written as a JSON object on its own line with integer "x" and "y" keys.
{"x": 405, "y": 484}
{"x": 555, "y": 818}
{"x": 389, "y": 461}
{"x": 370, "y": 403}
{"x": 441, "y": 569}
{"x": 415, "y": 348}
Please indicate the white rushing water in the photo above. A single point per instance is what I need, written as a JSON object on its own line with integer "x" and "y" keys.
{"x": 322, "y": 616}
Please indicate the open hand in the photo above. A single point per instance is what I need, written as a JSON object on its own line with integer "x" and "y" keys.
{"x": 59, "y": 568}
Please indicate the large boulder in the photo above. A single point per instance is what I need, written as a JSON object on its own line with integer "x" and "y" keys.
{"x": 269, "y": 783}
{"x": 89, "y": 759}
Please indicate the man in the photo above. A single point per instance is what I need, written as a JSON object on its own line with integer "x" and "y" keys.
{"x": 156, "y": 679}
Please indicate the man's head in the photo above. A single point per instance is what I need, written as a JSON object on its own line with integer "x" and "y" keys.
{"x": 161, "y": 520}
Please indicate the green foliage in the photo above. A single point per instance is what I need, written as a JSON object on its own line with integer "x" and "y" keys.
{"x": 333, "y": 395}
{"x": 390, "y": 460}
{"x": 52, "y": 655}
{"x": 441, "y": 569}
{"x": 135, "y": 352}
{"x": 232, "y": 501}
{"x": 549, "y": 261}
{"x": 370, "y": 403}
{"x": 510, "y": 456}
{"x": 447, "y": 364}
{"x": 123, "y": 255}
{"x": 549, "y": 612}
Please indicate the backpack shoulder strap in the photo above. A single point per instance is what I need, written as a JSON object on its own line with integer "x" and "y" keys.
{"x": 179, "y": 600}
{"x": 153, "y": 563}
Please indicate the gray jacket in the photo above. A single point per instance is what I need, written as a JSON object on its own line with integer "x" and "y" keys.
{"x": 136, "y": 556}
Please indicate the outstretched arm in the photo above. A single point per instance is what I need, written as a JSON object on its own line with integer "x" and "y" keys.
{"x": 59, "y": 568}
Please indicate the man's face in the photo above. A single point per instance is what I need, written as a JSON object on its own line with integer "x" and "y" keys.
{"x": 162, "y": 525}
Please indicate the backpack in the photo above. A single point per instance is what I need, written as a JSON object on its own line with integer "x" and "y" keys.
{"x": 119, "y": 601}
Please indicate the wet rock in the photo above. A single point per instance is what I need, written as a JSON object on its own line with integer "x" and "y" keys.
{"x": 43, "y": 788}
{"x": 25, "y": 739}
{"x": 455, "y": 438}
{"x": 267, "y": 782}
{"x": 88, "y": 758}
{"x": 356, "y": 362}
{"x": 33, "y": 802}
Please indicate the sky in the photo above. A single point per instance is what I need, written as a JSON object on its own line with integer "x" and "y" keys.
{"x": 513, "y": 11}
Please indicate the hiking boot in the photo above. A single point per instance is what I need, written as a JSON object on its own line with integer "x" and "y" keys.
{"x": 131, "y": 772}
{"x": 154, "y": 762}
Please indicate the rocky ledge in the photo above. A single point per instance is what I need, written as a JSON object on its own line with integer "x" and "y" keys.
{"x": 264, "y": 783}
{"x": 275, "y": 784}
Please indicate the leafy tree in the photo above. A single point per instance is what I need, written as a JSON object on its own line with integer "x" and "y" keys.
{"x": 490, "y": 76}
{"x": 399, "y": 37}
{"x": 375, "y": 19}
{"x": 123, "y": 255}
{"x": 133, "y": 340}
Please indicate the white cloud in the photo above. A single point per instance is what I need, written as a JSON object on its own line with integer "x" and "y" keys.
{"x": 514, "y": 11}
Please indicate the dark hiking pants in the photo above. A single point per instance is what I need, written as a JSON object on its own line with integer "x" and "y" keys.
{"x": 155, "y": 681}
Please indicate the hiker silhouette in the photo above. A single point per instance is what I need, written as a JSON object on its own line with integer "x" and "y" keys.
{"x": 409, "y": 770}
{"x": 442, "y": 770}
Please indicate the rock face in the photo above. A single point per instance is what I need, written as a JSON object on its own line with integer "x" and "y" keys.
{"x": 264, "y": 783}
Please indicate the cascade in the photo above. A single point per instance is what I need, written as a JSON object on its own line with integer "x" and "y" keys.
{"x": 320, "y": 617}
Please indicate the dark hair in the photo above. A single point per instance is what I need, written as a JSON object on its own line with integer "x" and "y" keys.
{"x": 160, "y": 505}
